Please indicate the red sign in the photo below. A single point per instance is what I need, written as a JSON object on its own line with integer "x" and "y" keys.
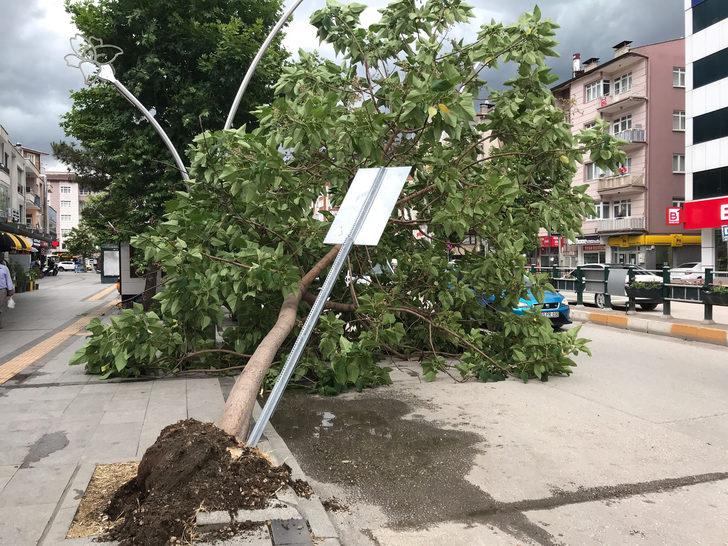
{"x": 672, "y": 216}
{"x": 549, "y": 241}
{"x": 55, "y": 244}
{"x": 707, "y": 214}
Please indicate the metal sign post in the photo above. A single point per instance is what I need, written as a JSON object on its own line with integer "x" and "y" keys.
{"x": 375, "y": 223}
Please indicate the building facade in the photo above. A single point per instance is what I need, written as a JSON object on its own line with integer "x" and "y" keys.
{"x": 24, "y": 207}
{"x": 640, "y": 94}
{"x": 706, "y": 180}
{"x": 69, "y": 200}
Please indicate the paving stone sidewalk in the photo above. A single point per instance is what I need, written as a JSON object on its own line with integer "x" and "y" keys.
{"x": 58, "y": 423}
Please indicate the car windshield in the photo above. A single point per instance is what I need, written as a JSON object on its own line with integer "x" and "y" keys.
{"x": 689, "y": 265}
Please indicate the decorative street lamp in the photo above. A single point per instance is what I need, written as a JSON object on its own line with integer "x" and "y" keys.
{"x": 93, "y": 58}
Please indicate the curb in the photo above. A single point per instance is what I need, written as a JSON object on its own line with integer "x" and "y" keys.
{"x": 704, "y": 334}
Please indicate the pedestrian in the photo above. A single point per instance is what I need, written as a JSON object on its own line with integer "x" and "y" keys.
{"x": 7, "y": 289}
{"x": 77, "y": 265}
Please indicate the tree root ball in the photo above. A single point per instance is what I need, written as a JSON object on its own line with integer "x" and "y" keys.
{"x": 191, "y": 465}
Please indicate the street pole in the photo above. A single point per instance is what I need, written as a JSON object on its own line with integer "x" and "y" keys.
{"x": 313, "y": 315}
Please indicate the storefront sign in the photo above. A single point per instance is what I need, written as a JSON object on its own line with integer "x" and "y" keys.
{"x": 707, "y": 214}
{"x": 672, "y": 216}
{"x": 724, "y": 233}
{"x": 595, "y": 248}
{"x": 550, "y": 241}
{"x": 589, "y": 240}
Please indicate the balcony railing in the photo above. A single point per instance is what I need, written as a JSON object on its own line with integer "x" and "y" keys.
{"x": 621, "y": 184}
{"x": 632, "y": 136}
{"x": 612, "y": 225}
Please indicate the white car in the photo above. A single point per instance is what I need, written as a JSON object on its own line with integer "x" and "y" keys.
{"x": 688, "y": 271}
{"x": 67, "y": 265}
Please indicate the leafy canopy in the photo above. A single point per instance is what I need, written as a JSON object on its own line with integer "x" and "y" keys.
{"x": 185, "y": 59}
{"x": 402, "y": 94}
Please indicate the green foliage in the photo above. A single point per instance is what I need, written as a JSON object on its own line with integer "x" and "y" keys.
{"x": 81, "y": 241}
{"x": 718, "y": 289}
{"x": 645, "y": 285}
{"x": 185, "y": 58}
{"x": 134, "y": 343}
{"x": 244, "y": 235}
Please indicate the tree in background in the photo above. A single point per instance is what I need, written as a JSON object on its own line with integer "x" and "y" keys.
{"x": 244, "y": 237}
{"x": 185, "y": 59}
{"x": 81, "y": 241}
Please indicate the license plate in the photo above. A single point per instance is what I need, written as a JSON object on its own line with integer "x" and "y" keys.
{"x": 551, "y": 314}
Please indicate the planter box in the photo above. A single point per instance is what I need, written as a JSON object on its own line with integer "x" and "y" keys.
{"x": 715, "y": 298}
{"x": 644, "y": 293}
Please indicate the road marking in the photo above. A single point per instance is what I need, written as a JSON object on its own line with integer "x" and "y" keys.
{"x": 103, "y": 293}
{"x": 16, "y": 365}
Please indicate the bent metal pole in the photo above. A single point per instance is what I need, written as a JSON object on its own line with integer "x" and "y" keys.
{"x": 313, "y": 315}
{"x": 256, "y": 61}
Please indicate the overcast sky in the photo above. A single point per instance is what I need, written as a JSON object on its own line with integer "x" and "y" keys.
{"x": 35, "y": 82}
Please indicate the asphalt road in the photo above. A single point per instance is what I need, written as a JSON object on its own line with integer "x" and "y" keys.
{"x": 631, "y": 449}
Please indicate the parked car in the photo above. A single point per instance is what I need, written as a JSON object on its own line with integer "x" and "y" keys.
{"x": 688, "y": 271}
{"x": 554, "y": 306}
{"x": 67, "y": 265}
{"x": 641, "y": 275}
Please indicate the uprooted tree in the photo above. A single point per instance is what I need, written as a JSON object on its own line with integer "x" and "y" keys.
{"x": 243, "y": 243}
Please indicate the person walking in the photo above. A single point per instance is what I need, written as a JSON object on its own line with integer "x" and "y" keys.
{"x": 77, "y": 265}
{"x": 7, "y": 289}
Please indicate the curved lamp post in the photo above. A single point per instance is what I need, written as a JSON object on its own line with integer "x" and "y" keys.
{"x": 93, "y": 58}
{"x": 256, "y": 61}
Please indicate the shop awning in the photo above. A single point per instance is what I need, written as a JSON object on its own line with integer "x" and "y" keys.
{"x": 674, "y": 240}
{"x": 10, "y": 241}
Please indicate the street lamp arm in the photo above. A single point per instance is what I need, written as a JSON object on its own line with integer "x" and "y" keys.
{"x": 256, "y": 61}
{"x": 160, "y": 131}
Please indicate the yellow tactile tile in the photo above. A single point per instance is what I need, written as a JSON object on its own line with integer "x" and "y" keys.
{"x": 16, "y": 365}
{"x": 103, "y": 293}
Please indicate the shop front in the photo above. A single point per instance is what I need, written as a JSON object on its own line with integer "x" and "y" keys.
{"x": 591, "y": 249}
{"x": 710, "y": 216}
{"x": 654, "y": 251}
{"x": 549, "y": 250}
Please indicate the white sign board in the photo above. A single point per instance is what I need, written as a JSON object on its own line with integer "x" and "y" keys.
{"x": 370, "y": 233}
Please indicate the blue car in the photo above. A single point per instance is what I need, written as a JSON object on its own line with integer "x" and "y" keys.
{"x": 554, "y": 306}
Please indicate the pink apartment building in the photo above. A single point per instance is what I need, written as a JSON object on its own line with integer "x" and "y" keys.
{"x": 640, "y": 93}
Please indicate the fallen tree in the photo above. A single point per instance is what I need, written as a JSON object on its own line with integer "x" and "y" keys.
{"x": 244, "y": 240}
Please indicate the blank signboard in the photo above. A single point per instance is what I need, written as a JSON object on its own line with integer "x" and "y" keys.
{"x": 370, "y": 233}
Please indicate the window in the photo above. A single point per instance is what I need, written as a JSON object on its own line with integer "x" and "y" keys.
{"x": 623, "y": 84}
{"x": 710, "y": 126}
{"x": 626, "y": 167}
{"x": 622, "y": 124}
{"x": 712, "y": 183}
{"x": 602, "y": 211}
{"x": 65, "y": 189}
{"x": 65, "y": 232}
{"x": 707, "y": 13}
{"x": 678, "y": 120}
{"x": 65, "y": 217}
{"x": 591, "y": 171}
{"x": 590, "y": 125}
{"x": 678, "y": 201}
{"x": 594, "y": 90}
{"x": 710, "y": 69}
{"x": 622, "y": 209}
{"x": 678, "y": 163}
{"x": 678, "y": 77}
{"x": 65, "y": 204}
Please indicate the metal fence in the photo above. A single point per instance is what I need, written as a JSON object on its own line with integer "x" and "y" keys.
{"x": 640, "y": 286}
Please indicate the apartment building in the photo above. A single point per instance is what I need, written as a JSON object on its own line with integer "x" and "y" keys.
{"x": 640, "y": 94}
{"x": 69, "y": 200}
{"x": 706, "y": 180}
{"x": 24, "y": 208}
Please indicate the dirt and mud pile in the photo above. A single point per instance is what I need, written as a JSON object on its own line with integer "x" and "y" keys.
{"x": 191, "y": 465}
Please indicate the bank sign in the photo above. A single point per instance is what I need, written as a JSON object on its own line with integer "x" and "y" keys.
{"x": 706, "y": 214}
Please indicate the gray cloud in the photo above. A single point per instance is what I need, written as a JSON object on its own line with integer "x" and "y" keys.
{"x": 35, "y": 82}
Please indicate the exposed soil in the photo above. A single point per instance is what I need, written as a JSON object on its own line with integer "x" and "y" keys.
{"x": 191, "y": 465}
{"x": 334, "y": 505}
{"x": 91, "y": 519}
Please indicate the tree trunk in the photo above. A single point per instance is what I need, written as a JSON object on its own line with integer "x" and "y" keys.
{"x": 236, "y": 417}
{"x": 150, "y": 286}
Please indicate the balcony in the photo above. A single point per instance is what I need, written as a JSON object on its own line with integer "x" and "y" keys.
{"x": 628, "y": 183}
{"x": 632, "y": 138}
{"x": 619, "y": 103}
{"x": 621, "y": 225}
{"x": 32, "y": 202}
